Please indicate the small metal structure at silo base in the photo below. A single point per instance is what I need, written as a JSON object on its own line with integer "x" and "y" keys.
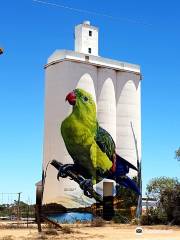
{"x": 108, "y": 200}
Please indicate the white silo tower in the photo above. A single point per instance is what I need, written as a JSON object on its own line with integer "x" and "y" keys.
{"x": 115, "y": 87}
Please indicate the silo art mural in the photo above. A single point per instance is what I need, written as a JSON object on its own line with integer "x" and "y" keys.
{"x": 91, "y": 104}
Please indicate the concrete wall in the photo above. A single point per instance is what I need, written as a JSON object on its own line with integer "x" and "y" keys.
{"x": 117, "y": 95}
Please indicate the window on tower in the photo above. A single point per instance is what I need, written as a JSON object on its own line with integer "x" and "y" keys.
{"x": 89, "y": 50}
{"x": 90, "y": 33}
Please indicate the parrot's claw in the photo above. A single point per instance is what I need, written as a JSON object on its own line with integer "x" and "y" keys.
{"x": 85, "y": 185}
{"x": 63, "y": 170}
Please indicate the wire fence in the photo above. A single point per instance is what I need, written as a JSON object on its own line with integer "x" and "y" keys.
{"x": 12, "y": 208}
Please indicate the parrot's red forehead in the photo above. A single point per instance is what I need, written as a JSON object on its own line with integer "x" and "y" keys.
{"x": 71, "y": 98}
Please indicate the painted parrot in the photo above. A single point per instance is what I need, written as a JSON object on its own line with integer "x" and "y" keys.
{"x": 91, "y": 147}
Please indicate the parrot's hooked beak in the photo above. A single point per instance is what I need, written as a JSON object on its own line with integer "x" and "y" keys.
{"x": 71, "y": 98}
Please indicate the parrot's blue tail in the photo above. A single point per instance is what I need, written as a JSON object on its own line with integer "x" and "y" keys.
{"x": 120, "y": 169}
{"x": 128, "y": 183}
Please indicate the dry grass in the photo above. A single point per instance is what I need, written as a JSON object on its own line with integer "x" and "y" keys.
{"x": 97, "y": 222}
{"x": 104, "y": 231}
{"x": 67, "y": 230}
{"x": 51, "y": 232}
{"x": 17, "y": 226}
{"x": 8, "y": 237}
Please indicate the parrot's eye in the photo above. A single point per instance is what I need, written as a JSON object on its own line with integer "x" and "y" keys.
{"x": 85, "y": 99}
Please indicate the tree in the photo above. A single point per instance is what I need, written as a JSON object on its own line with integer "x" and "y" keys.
{"x": 167, "y": 192}
{"x": 170, "y": 202}
{"x": 177, "y": 154}
{"x": 158, "y": 185}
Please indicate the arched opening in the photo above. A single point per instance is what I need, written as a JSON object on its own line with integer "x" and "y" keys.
{"x": 86, "y": 83}
{"x": 106, "y": 109}
{"x": 128, "y": 110}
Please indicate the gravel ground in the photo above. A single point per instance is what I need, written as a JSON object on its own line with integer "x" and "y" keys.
{"x": 87, "y": 232}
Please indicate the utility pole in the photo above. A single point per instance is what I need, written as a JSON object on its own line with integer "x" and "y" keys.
{"x": 39, "y": 195}
{"x": 139, "y": 207}
{"x": 18, "y": 206}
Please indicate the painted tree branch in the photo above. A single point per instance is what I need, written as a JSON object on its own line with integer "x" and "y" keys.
{"x": 77, "y": 178}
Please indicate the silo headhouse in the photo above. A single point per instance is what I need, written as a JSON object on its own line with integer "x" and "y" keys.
{"x": 115, "y": 88}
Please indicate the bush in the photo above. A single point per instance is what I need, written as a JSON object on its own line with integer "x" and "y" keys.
{"x": 118, "y": 218}
{"x": 135, "y": 221}
{"x": 167, "y": 193}
{"x": 146, "y": 220}
{"x": 154, "y": 216}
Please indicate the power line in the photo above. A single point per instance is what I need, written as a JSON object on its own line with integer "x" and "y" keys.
{"x": 91, "y": 12}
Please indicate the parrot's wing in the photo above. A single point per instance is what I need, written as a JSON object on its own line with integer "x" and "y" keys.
{"x": 125, "y": 162}
{"x": 105, "y": 142}
{"x": 107, "y": 145}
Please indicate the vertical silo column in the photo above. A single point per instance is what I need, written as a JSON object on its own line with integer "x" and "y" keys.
{"x": 55, "y": 111}
{"x": 128, "y": 110}
{"x": 61, "y": 78}
{"x": 106, "y": 100}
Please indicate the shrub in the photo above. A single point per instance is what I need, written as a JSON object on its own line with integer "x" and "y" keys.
{"x": 118, "y": 218}
{"x": 154, "y": 216}
{"x": 135, "y": 221}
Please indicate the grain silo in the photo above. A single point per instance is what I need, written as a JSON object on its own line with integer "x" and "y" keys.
{"x": 115, "y": 87}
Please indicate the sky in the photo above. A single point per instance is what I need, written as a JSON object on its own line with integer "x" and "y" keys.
{"x": 142, "y": 32}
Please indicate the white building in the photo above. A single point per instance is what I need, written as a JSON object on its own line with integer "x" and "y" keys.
{"x": 116, "y": 88}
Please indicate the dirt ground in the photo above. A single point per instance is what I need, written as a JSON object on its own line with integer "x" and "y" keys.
{"x": 87, "y": 232}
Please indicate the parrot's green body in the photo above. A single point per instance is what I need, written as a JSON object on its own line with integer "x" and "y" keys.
{"x": 80, "y": 131}
{"x": 91, "y": 147}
